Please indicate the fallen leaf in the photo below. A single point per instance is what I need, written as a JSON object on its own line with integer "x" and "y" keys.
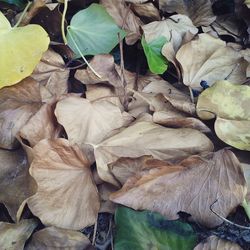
{"x": 17, "y": 104}
{"x": 51, "y": 238}
{"x": 42, "y": 125}
{"x": 125, "y": 18}
{"x": 88, "y": 122}
{"x": 66, "y": 196}
{"x": 147, "y": 230}
{"x": 193, "y": 190}
{"x": 216, "y": 243}
{"x": 52, "y": 73}
{"x": 199, "y": 11}
{"x": 229, "y": 104}
{"x": 14, "y": 236}
{"x": 210, "y": 59}
{"x": 80, "y": 35}
{"x": 16, "y": 184}
{"x": 18, "y": 60}
{"x": 147, "y": 138}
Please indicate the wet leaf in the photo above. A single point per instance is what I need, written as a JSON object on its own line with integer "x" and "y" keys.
{"x": 147, "y": 230}
{"x": 18, "y": 59}
{"x": 192, "y": 189}
{"x": 66, "y": 196}
{"x": 102, "y": 40}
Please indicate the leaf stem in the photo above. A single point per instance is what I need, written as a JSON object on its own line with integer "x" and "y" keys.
{"x": 63, "y": 21}
{"x": 83, "y": 57}
{"x": 24, "y": 12}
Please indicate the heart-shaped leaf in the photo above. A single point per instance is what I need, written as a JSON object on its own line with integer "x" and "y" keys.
{"x": 93, "y": 31}
{"x": 21, "y": 48}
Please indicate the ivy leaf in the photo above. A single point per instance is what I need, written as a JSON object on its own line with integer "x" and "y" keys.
{"x": 148, "y": 230}
{"x": 21, "y": 49}
{"x": 93, "y": 31}
{"x": 157, "y": 63}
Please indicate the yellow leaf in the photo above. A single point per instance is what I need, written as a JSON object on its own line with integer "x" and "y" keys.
{"x": 21, "y": 48}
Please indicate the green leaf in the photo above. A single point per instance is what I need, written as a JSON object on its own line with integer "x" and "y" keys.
{"x": 157, "y": 63}
{"x": 18, "y": 3}
{"x": 148, "y": 230}
{"x": 93, "y": 31}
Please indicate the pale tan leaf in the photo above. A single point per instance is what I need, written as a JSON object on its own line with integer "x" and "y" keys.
{"x": 199, "y": 11}
{"x": 15, "y": 182}
{"x": 66, "y": 196}
{"x": 215, "y": 243}
{"x": 52, "y": 238}
{"x": 147, "y": 138}
{"x": 17, "y": 104}
{"x": 14, "y": 236}
{"x": 210, "y": 59}
{"x": 125, "y": 18}
{"x": 193, "y": 189}
{"x": 42, "y": 125}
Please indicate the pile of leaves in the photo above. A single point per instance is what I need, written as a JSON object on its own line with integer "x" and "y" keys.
{"x": 134, "y": 108}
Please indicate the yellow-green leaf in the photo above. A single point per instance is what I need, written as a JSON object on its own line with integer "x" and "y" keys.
{"x": 21, "y": 48}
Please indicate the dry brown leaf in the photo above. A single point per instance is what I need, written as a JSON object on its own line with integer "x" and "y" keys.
{"x": 192, "y": 190}
{"x": 16, "y": 184}
{"x": 51, "y": 73}
{"x": 88, "y": 122}
{"x": 14, "y": 236}
{"x": 215, "y": 243}
{"x": 42, "y": 125}
{"x": 17, "y": 104}
{"x": 66, "y": 196}
{"x": 174, "y": 29}
{"x": 210, "y": 59}
{"x": 125, "y": 18}
{"x": 199, "y": 11}
{"x": 147, "y": 138}
{"x": 52, "y": 238}
{"x": 146, "y": 11}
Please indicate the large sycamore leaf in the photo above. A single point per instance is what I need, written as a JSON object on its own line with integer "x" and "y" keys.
{"x": 21, "y": 49}
{"x": 209, "y": 59}
{"x": 147, "y": 138}
{"x": 17, "y": 104}
{"x": 66, "y": 196}
{"x": 51, "y": 238}
{"x": 230, "y": 104}
{"x": 199, "y": 11}
{"x": 93, "y": 31}
{"x": 16, "y": 184}
{"x": 88, "y": 122}
{"x": 148, "y": 230}
{"x": 14, "y": 236}
{"x": 193, "y": 189}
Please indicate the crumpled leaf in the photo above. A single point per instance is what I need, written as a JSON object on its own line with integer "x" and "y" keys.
{"x": 21, "y": 50}
{"x": 124, "y": 18}
{"x": 156, "y": 61}
{"x": 216, "y": 243}
{"x": 80, "y": 32}
{"x": 88, "y": 122}
{"x": 199, "y": 11}
{"x": 14, "y": 236}
{"x": 51, "y": 238}
{"x": 66, "y": 196}
{"x": 17, "y": 104}
{"x": 192, "y": 190}
{"x": 42, "y": 125}
{"x": 15, "y": 182}
{"x": 230, "y": 104}
{"x": 148, "y": 230}
{"x": 52, "y": 73}
{"x": 210, "y": 59}
{"x": 147, "y": 138}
